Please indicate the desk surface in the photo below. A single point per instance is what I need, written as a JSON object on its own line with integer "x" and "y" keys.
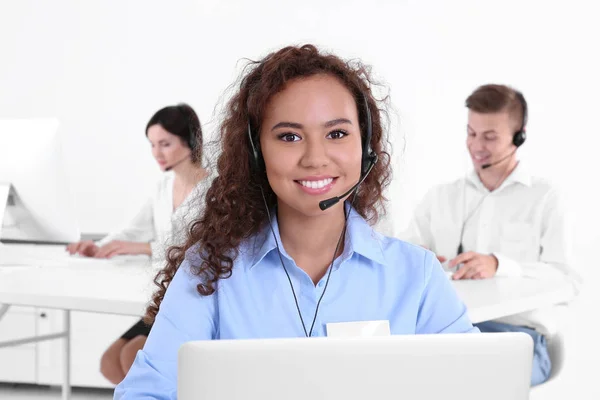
{"x": 489, "y": 299}
{"x": 47, "y": 277}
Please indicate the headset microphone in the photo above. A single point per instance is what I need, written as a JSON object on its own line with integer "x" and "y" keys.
{"x": 518, "y": 139}
{"x": 325, "y": 204}
{"x": 519, "y": 136}
{"x": 485, "y": 166}
{"x": 170, "y": 167}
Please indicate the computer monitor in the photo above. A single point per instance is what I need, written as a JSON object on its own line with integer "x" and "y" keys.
{"x": 469, "y": 366}
{"x": 36, "y": 204}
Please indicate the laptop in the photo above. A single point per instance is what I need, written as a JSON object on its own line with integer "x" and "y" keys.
{"x": 491, "y": 366}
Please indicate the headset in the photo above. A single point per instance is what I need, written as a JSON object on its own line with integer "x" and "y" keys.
{"x": 368, "y": 156}
{"x": 519, "y": 138}
{"x": 368, "y": 160}
{"x": 191, "y": 141}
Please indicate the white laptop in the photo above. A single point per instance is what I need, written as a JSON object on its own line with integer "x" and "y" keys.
{"x": 491, "y": 366}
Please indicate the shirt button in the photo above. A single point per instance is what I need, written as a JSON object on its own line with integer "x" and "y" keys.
{"x": 321, "y": 284}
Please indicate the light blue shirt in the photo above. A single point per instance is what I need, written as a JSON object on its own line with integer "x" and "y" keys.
{"x": 375, "y": 278}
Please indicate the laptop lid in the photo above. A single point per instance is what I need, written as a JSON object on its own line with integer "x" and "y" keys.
{"x": 494, "y": 366}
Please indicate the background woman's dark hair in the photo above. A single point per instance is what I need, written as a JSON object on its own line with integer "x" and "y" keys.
{"x": 181, "y": 120}
{"x": 234, "y": 206}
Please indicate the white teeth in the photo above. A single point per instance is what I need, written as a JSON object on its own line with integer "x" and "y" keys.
{"x": 316, "y": 184}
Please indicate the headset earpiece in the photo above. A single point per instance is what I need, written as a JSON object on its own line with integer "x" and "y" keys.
{"x": 192, "y": 139}
{"x": 368, "y": 156}
{"x": 254, "y": 154}
{"x": 520, "y": 136}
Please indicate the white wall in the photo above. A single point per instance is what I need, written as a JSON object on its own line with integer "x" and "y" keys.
{"x": 104, "y": 67}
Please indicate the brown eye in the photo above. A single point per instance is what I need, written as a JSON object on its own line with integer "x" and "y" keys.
{"x": 289, "y": 137}
{"x": 337, "y": 134}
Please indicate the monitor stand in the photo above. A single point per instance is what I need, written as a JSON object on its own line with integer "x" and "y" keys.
{"x": 17, "y": 224}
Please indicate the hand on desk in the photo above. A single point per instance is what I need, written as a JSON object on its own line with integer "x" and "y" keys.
{"x": 118, "y": 247}
{"x": 85, "y": 248}
{"x": 474, "y": 266}
{"x": 88, "y": 248}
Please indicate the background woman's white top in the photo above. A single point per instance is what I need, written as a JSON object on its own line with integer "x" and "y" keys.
{"x": 157, "y": 223}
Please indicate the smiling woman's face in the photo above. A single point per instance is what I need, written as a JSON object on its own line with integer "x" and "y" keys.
{"x": 311, "y": 144}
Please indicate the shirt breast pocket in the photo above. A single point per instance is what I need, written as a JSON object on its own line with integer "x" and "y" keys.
{"x": 519, "y": 241}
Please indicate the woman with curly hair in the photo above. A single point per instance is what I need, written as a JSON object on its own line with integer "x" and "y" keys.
{"x": 275, "y": 254}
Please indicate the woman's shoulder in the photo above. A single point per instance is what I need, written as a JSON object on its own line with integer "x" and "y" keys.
{"x": 248, "y": 251}
{"x": 405, "y": 256}
{"x": 395, "y": 247}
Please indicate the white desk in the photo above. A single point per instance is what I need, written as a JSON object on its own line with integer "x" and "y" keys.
{"x": 124, "y": 286}
{"x": 489, "y": 299}
{"x": 103, "y": 286}
{"x": 46, "y": 276}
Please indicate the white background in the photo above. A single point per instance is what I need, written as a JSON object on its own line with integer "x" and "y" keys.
{"x": 103, "y": 68}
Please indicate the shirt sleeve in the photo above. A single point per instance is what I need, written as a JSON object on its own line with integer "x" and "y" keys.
{"x": 440, "y": 309}
{"x": 139, "y": 229}
{"x": 554, "y": 256}
{"x": 419, "y": 228}
{"x": 184, "y": 316}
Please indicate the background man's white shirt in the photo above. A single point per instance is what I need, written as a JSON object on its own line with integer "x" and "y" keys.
{"x": 522, "y": 223}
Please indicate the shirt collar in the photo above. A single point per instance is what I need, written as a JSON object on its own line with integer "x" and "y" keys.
{"x": 519, "y": 175}
{"x": 360, "y": 239}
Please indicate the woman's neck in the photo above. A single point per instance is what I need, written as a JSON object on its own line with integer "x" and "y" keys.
{"x": 312, "y": 241}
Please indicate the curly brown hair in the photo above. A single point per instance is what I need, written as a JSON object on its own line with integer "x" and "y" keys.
{"x": 234, "y": 207}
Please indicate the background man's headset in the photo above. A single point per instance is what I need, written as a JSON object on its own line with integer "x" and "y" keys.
{"x": 518, "y": 140}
